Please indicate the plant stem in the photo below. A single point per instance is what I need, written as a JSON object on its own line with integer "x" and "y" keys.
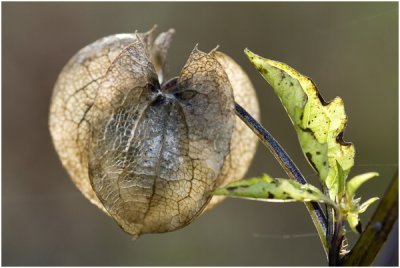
{"x": 335, "y": 244}
{"x": 330, "y": 228}
{"x": 378, "y": 229}
{"x": 290, "y": 168}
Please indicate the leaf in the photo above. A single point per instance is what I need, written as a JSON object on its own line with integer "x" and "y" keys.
{"x": 341, "y": 180}
{"x": 357, "y": 181}
{"x": 273, "y": 190}
{"x": 351, "y": 208}
{"x": 366, "y": 204}
{"x": 319, "y": 125}
{"x": 354, "y": 222}
{"x": 353, "y": 217}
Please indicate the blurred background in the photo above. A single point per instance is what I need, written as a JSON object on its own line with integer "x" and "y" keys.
{"x": 348, "y": 49}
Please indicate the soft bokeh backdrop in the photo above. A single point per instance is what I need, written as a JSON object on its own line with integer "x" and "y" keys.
{"x": 349, "y": 49}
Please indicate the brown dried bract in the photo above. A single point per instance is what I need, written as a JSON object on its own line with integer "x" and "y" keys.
{"x": 147, "y": 153}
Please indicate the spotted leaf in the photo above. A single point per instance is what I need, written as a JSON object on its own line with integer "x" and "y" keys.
{"x": 319, "y": 124}
{"x": 273, "y": 190}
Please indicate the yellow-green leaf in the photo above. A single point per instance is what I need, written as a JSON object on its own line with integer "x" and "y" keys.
{"x": 273, "y": 190}
{"x": 352, "y": 215}
{"x": 366, "y": 204}
{"x": 351, "y": 207}
{"x": 341, "y": 180}
{"x": 357, "y": 181}
{"x": 354, "y": 222}
{"x": 319, "y": 125}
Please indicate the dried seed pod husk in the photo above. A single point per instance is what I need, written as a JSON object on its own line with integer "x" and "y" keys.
{"x": 148, "y": 153}
{"x": 244, "y": 142}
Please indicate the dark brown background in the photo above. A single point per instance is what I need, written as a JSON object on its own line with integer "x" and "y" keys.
{"x": 349, "y": 49}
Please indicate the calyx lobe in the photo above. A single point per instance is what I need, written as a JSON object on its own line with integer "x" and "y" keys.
{"x": 155, "y": 153}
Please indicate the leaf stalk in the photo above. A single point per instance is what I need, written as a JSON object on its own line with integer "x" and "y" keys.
{"x": 289, "y": 167}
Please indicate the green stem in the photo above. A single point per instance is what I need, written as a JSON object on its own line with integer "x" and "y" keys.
{"x": 290, "y": 168}
{"x": 378, "y": 229}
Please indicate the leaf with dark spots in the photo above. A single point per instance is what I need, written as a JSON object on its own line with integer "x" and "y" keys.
{"x": 319, "y": 124}
{"x": 309, "y": 158}
{"x": 233, "y": 188}
{"x": 273, "y": 190}
{"x": 339, "y": 139}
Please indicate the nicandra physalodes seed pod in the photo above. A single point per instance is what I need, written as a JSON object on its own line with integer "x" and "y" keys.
{"x": 145, "y": 151}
